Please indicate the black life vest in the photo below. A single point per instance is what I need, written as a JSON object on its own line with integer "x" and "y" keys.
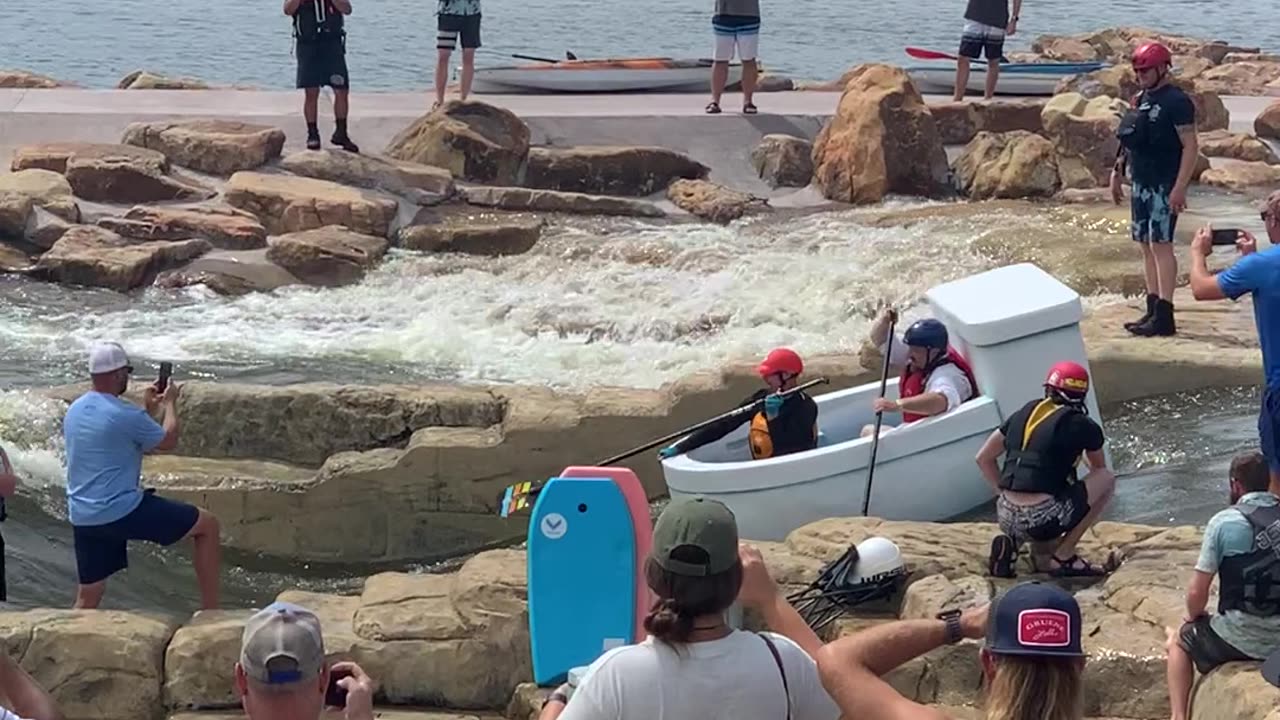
{"x": 1033, "y": 462}
{"x": 317, "y": 20}
{"x": 1251, "y": 582}
{"x": 1134, "y": 131}
{"x": 761, "y": 436}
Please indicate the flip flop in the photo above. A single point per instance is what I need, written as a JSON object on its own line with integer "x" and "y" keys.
{"x": 1076, "y": 566}
{"x": 750, "y": 109}
{"x": 713, "y": 108}
{"x": 1003, "y": 555}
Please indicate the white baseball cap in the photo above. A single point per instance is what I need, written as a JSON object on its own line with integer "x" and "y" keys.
{"x": 282, "y": 645}
{"x": 107, "y": 357}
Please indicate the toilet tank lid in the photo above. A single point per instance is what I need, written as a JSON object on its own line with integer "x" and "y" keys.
{"x": 1005, "y": 304}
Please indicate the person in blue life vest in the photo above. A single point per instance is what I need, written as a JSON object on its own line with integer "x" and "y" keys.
{"x": 933, "y": 377}
{"x": 785, "y": 425}
{"x": 321, "y": 46}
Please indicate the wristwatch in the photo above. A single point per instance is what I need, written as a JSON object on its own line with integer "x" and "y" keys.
{"x": 954, "y": 632}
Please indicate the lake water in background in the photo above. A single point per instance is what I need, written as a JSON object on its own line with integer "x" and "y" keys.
{"x": 391, "y": 44}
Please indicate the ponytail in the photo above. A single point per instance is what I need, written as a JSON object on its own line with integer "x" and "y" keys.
{"x": 682, "y": 599}
{"x": 665, "y": 622}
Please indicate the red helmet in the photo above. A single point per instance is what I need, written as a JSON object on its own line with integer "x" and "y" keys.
{"x": 781, "y": 360}
{"x": 1150, "y": 55}
{"x": 1068, "y": 377}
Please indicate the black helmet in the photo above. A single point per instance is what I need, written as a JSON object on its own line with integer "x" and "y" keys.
{"x": 927, "y": 333}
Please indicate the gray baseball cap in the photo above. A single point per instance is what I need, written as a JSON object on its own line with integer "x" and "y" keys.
{"x": 698, "y": 522}
{"x": 282, "y": 645}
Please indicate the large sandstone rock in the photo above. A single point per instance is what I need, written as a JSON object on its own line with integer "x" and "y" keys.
{"x": 1084, "y": 137}
{"x": 1242, "y": 175}
{"x": 145, "y": 80}
{"x": 288, "y": 204}
{"x": 110, "y": 173}
{"x": 96, "y": 664}
{"x": 1008, "y": 115}
{"x": 713, "y": 202}
{"x": 1116, "y": 44}
{"x": 230, "y": 272}
{"x": 1007, "y": 165}
{"x": 96, "y": 257}
{"x": 422, "y": 183}
{"x": 472, "y": 140}
{"x": 218, "y": 147}
{"x": 1237, "y": 146}
{"x": 24, "y": 79}
{"x": 473, "y": 233}
{"x": 224, "y": 227}
{"x": 1235, "y": 690}
{"x": 957, "y": 121}
{"x": 47, "y": 189}
{"x": 609, "y": 170}
{"x": 1240, "y": 78}
{"x": 882, "y": 140}
{"x": 199, "y": 658}
{"x": 15, "y": 215}
{"x": 1117, "y": 81}
{"x": 1211, "y": 112}
{"x": 553, "y": 201}
{"x": 783, "y": 160}
{"x": 328, "y": 256}
{"x": 1267, "y": 124}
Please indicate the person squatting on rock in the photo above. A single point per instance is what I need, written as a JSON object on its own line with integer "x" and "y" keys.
{"x": 934, "y": 377}
{"x": 693, "y": 665}
{"x": 736, "y": 23}
{"x": 1158, "y": 144}
{"x": 283, "y": 675}
{"x": 1032, "y": 661}
{"x": 456, "y": 19}
{"x": 986, "y": 23}
{"x": 1258, "y": 274}
{"x": 106, "y": 438}
{"x": 1241, "y": 546}
{"x": 8, "y": 486}
{"x": 786, "y": 424}
{"x": 1041, "y": 499}
{"x": 320, "y": 42}
{"x": 21, "y": 697}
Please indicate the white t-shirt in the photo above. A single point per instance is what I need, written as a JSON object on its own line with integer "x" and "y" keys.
{"x": 734, "y": 677}
{"x": 6, "y": 715}
{"x": 948, "y": 380}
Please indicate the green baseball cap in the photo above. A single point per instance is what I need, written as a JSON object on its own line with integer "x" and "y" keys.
{"x": 701, "y": 523}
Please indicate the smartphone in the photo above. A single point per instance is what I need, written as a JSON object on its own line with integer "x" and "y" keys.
{"x": 334, "y": 695}
{"x": 1226, "y": 236}
{"x": 166, "y": 371}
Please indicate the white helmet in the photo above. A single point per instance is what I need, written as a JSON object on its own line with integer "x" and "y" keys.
{"x": 878, "y": 557}
{"x": 871, "y": 570}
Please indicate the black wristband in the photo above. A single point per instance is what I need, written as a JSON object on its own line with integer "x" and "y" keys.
{"x": 954, "y": 632}
{"x": 556, "y": 696}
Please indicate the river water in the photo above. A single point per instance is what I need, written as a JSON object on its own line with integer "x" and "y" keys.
{"x": 391, "y": 42}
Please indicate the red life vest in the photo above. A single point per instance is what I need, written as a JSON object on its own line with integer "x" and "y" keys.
{"x": 911, "y": 383}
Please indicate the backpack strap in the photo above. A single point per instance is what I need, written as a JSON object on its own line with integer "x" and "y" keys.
{"x": 777, "y": 659}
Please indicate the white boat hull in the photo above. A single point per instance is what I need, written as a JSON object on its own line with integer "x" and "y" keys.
{"x": 943, "y": 81}
{"x": 596, "y": 80}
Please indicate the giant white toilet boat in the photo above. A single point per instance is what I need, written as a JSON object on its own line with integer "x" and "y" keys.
{"x": 1011, "y": 323}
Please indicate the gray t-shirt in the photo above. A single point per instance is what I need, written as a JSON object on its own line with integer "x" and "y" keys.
{"x": 458, "y": 7}
{"x": 1229, "y": 533}
{"x": 744, "y": 8}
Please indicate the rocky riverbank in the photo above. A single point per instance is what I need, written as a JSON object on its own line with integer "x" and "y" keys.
{"x": 461, "y": 640}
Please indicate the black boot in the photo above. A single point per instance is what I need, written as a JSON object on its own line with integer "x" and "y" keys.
{"x": 313, "y": 136}
{"x": 1160, "y": 324}
{"x": 1151, "y": 310}
{"x": 341, "y": 139}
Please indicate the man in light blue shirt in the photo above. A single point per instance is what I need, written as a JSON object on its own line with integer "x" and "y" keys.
{"x": 1240, "y": 547}
{"x": 106, "y": 437}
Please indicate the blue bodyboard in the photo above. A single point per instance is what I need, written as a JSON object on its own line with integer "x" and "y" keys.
{"x": 581, "y": 569}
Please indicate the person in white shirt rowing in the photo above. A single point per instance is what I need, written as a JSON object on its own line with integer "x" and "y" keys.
{"x": 933, "y": 377}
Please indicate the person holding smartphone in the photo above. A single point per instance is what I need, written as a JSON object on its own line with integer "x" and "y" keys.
{"x": 106, "y": 437}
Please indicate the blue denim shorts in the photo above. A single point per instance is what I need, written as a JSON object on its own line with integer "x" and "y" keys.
{"x": 103, "y": 550}
{"x": 1269, "y": 426}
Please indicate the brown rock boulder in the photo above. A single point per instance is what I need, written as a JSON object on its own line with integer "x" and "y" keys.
{"x": 1008, "y": 165}
{"x": 471, "y": 232}
{"x": 1117, "y": 81}
{"x": 1235, "y": 690}
{"x": 472, "y": 140}
{"x": 1237, "y": 146}
{"x": 553, "y": 201}
{"x": 1064, "y": 48}
{"x": 230, "y": 272}
{"x": 957, "y": 121}
{"x": 1084, "y": 137}
{"x": 783, "y": 160}
{"x": 1242, "y": 175}
{"x": 224, "y": 227}
{"x": 15, "y": 215}
{"x": 218, "y": 147}
{"x": 291, "y": 204}
{"x": 96, "y": 257}
{"x": 144, "y": 80}
{"x": 327, "y": 256}
{"x": 999, "y": 116}
{"x": 609, "y": 170}
{"x": 197, "y": 659}
{"x": 14, "y": 259}
{"x": 424, "y": 184}
{"x": 882, "y": 140}
{"x": 47, "y": 189}
{"x": 55, "y": 156}
{"x": 28, "y": 80}
{"x": 1211, "y": 112}
{"x": 713, "y": 202}
{"x": 1240, "y": 78}
{"x": 110, "y": 173}
{"x": 1267, "y": 124}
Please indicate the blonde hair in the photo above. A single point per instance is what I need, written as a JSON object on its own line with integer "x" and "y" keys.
{"x": 1035, "y": 688}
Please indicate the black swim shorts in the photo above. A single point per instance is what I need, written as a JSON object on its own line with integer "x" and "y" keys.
{"x": 1206, "y": 648}
{"x": 103, "y": 550}
{"x": 977, "y": 39}
{"x": 450, "y": 27}
{"x": 321, "y": 63}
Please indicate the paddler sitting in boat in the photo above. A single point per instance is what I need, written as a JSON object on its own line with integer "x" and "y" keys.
{"x": 787, "y": 424}
{"x": 933, "y": 379}
{"x": 1041, "y": 499}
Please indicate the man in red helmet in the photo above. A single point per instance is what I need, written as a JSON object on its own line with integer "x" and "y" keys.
{"x": 783, "y": 426}
{"x": 1041, "y": 499}
{"x": 1158, "y": 144}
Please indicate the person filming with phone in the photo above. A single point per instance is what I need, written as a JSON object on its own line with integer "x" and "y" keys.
{"x": 283, "y": 673}
{"x": 106, "y": 437}
{"x": 1256, "y": 273}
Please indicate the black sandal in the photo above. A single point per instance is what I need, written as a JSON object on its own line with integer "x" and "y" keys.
{"x": 713, "y": 108}
{"x": 750, "y": 109}
{"x": 1004, "y": 553}
{"x": 1076, "y": 566}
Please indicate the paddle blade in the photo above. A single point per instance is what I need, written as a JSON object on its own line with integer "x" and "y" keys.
{"x": 517, "y": 497}
{"x": 922, "y": 54}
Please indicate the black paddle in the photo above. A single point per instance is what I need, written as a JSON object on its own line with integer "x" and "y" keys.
{"x": 875, "y": 439}
{"x": 567, "y": 56}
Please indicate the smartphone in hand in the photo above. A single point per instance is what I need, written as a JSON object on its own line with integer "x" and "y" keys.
{"x": 335, "y": 695}
{"x": 1226, "y": 236}
{"x": 166, "y": 371}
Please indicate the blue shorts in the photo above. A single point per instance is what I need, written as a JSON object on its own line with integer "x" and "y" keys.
{"x": 1153, "y": 218}
{"x": 1269, "y": 426}
{"x": 103, "y": 550}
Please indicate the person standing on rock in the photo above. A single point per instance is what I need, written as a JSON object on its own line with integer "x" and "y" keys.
{"x": 1158, "y": 144}
{"x": 321, "y": 44}
{"x": 1258, "y": 274}
{"x": 1041, "y": 500}
{"x": 736, "y": 23}
{"x": 986, "y": 23}
{"x": 1242, "y": 547}
{"x": 1032, "y": 660}
{"x": 456, "y": 19}
{"x": 106, "y": 437}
